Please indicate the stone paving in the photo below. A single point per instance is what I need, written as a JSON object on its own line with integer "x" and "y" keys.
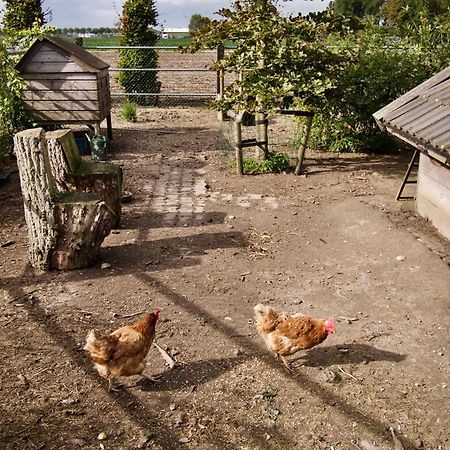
{"x": 180, "y": 196}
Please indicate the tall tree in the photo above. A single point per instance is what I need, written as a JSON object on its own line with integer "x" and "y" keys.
{"x": 402, "y": 12}
{"x": 197, "y": 22}
{"x": 136, "y": 29}
{"x": 23, "y": 14}
{"x": 358, "y": 8}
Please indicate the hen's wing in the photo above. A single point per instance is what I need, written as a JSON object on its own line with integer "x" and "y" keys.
{"x": 130, "y": 342}
{"x": 100, "y": 347}
{"x": 306, "y": 331}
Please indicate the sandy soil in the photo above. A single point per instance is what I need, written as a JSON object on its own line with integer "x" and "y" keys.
{"x": 204, "y": 246}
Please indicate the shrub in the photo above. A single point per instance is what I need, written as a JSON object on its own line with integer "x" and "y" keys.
{"x": 138, "y": 16}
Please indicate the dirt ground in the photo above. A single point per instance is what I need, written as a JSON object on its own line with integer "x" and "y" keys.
{"x": 204, "y": 246}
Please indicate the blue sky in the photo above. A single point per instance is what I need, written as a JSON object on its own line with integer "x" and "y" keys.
{"x": 172, "y": 13}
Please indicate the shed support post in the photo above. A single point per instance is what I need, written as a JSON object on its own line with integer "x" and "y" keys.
{"x": 109, "y": 126}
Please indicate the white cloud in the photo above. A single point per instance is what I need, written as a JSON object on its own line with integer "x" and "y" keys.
{"x": 171, "y": 13}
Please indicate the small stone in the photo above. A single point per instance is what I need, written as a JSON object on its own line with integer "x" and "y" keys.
{"x": 105, "y": 266}
{"x": 102, "y": 436}
{"x": 400, "y": 258}
{"x": 172, "y": 407}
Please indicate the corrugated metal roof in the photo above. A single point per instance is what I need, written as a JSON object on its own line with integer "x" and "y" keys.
{"x": 71, "y": 50}
{"x": 421, "y": 117}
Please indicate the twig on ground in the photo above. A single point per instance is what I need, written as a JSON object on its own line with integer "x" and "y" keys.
{"x": 38, "y": 372}
{"x": 23, "y": 295}
{"x": 127, "y": 316}
{"x": 346, "y": 373}
{"x": 165, "y": 356}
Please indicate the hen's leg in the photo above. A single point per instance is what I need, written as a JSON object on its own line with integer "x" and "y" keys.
{"x": 286, "y": 364}
{"x": 111, "y": 386}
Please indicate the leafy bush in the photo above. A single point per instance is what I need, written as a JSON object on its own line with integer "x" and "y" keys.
{"x": 380, "y": 68}
{"x": 274, "y": 163}
{"x": 11, "y": 111}
{"x": 129, "y": 112}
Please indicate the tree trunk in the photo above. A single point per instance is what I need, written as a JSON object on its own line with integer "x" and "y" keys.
{"x": 37, "y": 191}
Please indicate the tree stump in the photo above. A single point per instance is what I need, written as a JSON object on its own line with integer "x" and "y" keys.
{"x": 65, "y": 229}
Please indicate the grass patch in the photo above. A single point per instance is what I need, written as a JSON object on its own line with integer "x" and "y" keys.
{"x": 129, "y": 112}
{"x": 275, "y": 163}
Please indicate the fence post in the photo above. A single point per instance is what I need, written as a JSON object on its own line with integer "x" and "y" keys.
{"x": 220, "y": 78}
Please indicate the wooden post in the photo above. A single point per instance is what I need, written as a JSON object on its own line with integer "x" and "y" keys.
{"x": 237, "y": 125}
{"x": 304, "y": 141}
{"x": 262, "y": 135}
{"x": 220, "y": 85}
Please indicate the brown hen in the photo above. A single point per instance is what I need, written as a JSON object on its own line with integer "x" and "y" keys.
{"x": 123, "y": 352}
{"x": 285, "y": 334}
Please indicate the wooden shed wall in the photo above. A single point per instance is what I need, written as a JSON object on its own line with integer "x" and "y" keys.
{"x": 60, "y": 90}
{"x": 433, "y": 193}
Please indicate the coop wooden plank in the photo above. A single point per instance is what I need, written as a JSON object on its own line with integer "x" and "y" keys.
{"x": 62, "y": 116}
{"x": 62, "y": 85}
{"x": 48, "y": 105}
{"x": 53, "y": 67}
{"x": 48, "y": 56}
{"x": 60, "y": 76}
{"x": 59, "y": 95}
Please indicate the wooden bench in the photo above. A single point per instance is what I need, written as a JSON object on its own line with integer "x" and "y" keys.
{"x": 65, "y": 229}
{"x": 74, "y": 174}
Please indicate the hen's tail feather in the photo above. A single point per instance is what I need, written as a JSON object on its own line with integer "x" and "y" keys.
{"x": 266, "y": 317}
{"x": 100, "y": 347}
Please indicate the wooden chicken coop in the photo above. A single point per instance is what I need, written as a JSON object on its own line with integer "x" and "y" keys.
{"x": 421, "y": 119}
{"x": 65, "y": 84}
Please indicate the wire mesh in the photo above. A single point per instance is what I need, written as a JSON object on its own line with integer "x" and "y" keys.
{"x": 176, "y": 79}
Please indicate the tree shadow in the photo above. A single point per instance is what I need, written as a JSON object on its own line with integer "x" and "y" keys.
{"x": 391, "y": 165}
{"x": 173, "y": 220}
{"x": 192, "y": 374}
{"x": 346, "y": 354}
{"x": 163, "y": 254}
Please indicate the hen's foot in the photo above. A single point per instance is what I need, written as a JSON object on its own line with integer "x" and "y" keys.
{"x": 112, "y": 387}
{"x": 153, "y": 378}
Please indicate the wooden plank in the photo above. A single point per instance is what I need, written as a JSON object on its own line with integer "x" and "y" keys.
{"x": 59, "y": 95}
{"x": 60, "y": 76}
{"x": 62, "y": 85}
{"x": 62, "y": 105}
{"x": 48, "y": 56}
{"x": 53, "y": 67}
{"x": 63, "y": 116}
{"x": 433, "y": 194}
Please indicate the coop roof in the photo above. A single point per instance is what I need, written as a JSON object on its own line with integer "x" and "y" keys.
{"x": 421, "y": 117}
{"x": 70, "y": 50}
